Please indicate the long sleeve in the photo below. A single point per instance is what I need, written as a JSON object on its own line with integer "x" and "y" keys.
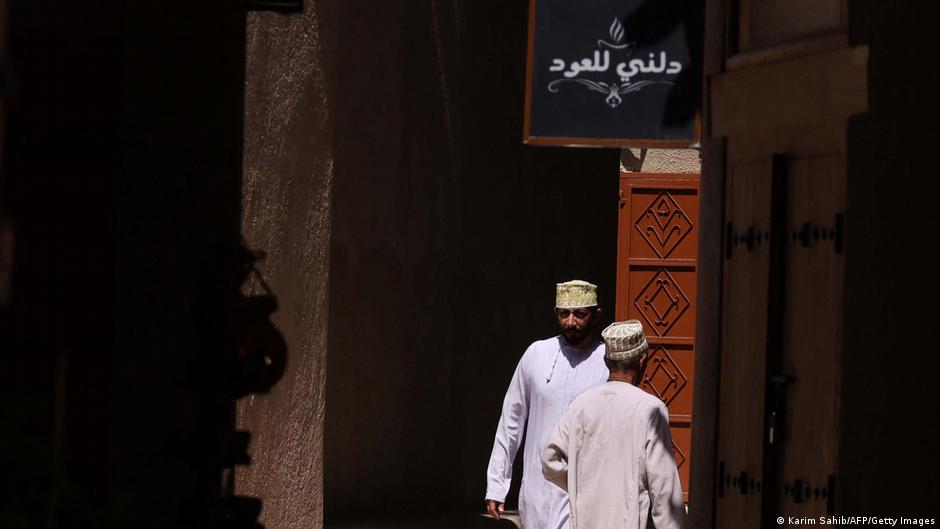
{"x": 665, "y": 490}
{"x": 555, "y": 454}
{"x": 508, "y": 436}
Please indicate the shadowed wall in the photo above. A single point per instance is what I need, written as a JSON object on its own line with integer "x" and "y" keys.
{"x": 890, "y": 358}
{"x": 394, "y": 129}
{"x": 287, "y": 175}
{"x": 448, "y": 238}
{"x": 122, "y": 176}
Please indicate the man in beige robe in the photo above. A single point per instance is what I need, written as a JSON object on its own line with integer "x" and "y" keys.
{"x": 612, "y": 451}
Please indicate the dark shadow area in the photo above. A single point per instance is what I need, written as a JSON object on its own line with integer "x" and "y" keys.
{"x": 125, "y": 334}
{"x": 890, "y": 358}
{"x": 654, "y": 21}
{"x": 448, "y": 238}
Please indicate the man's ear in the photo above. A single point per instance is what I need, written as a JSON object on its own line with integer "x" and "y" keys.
{"x": 598, "y": 313}
{"x": 644, "y": 360}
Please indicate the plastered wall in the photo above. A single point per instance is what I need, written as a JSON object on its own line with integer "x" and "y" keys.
{"x": 288, "y": 173}
{"x": 660, "y": 160}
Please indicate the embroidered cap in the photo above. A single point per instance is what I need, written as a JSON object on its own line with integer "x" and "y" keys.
{"x": 575, "y": 294}
{"x": 624, "y": 340}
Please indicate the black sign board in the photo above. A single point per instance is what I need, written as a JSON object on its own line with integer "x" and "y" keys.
{"x": 614, "y": 72}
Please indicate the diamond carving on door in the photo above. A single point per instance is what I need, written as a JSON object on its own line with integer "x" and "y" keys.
{"x": 662, "y": 303}
{"x": 663, "y": 377}
{"x": 656, "y": 263}
{"x": 663, "y": 224}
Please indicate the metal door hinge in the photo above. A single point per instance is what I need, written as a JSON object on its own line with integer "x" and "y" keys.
{"x": 809, "y": 234}
{"x": 743, "y": 481}
{"x": 751, "y": 238}
{"x": 802, "y": 491}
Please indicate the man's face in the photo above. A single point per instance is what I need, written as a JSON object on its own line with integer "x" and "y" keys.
{"x": 577, "y": 324}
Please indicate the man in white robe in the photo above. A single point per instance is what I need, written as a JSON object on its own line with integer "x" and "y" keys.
{"x": 612, "y": 451}
{"x": 549, "y": 376}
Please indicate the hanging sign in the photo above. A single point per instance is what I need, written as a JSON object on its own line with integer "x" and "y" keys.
{"x": 614, "y": 73}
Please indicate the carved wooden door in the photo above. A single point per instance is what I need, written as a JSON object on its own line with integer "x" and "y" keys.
{"x": 780, "y": 356}
{"x": 656, "y": 256}
{"x": 744, "y": 345}
{"x": 805, "y": 376}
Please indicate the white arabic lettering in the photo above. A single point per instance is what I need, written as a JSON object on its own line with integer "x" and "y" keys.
{"x": 657, "y": 63}
{"x": 585, "y": 65}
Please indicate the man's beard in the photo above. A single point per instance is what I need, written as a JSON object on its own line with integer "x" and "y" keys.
{"x": 574, "y": 336}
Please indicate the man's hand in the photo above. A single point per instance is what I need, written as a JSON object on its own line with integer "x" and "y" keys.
{"x": 495, "y": 508}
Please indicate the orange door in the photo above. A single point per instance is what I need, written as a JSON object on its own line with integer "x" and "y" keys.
{"x": 656, "y": 263}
